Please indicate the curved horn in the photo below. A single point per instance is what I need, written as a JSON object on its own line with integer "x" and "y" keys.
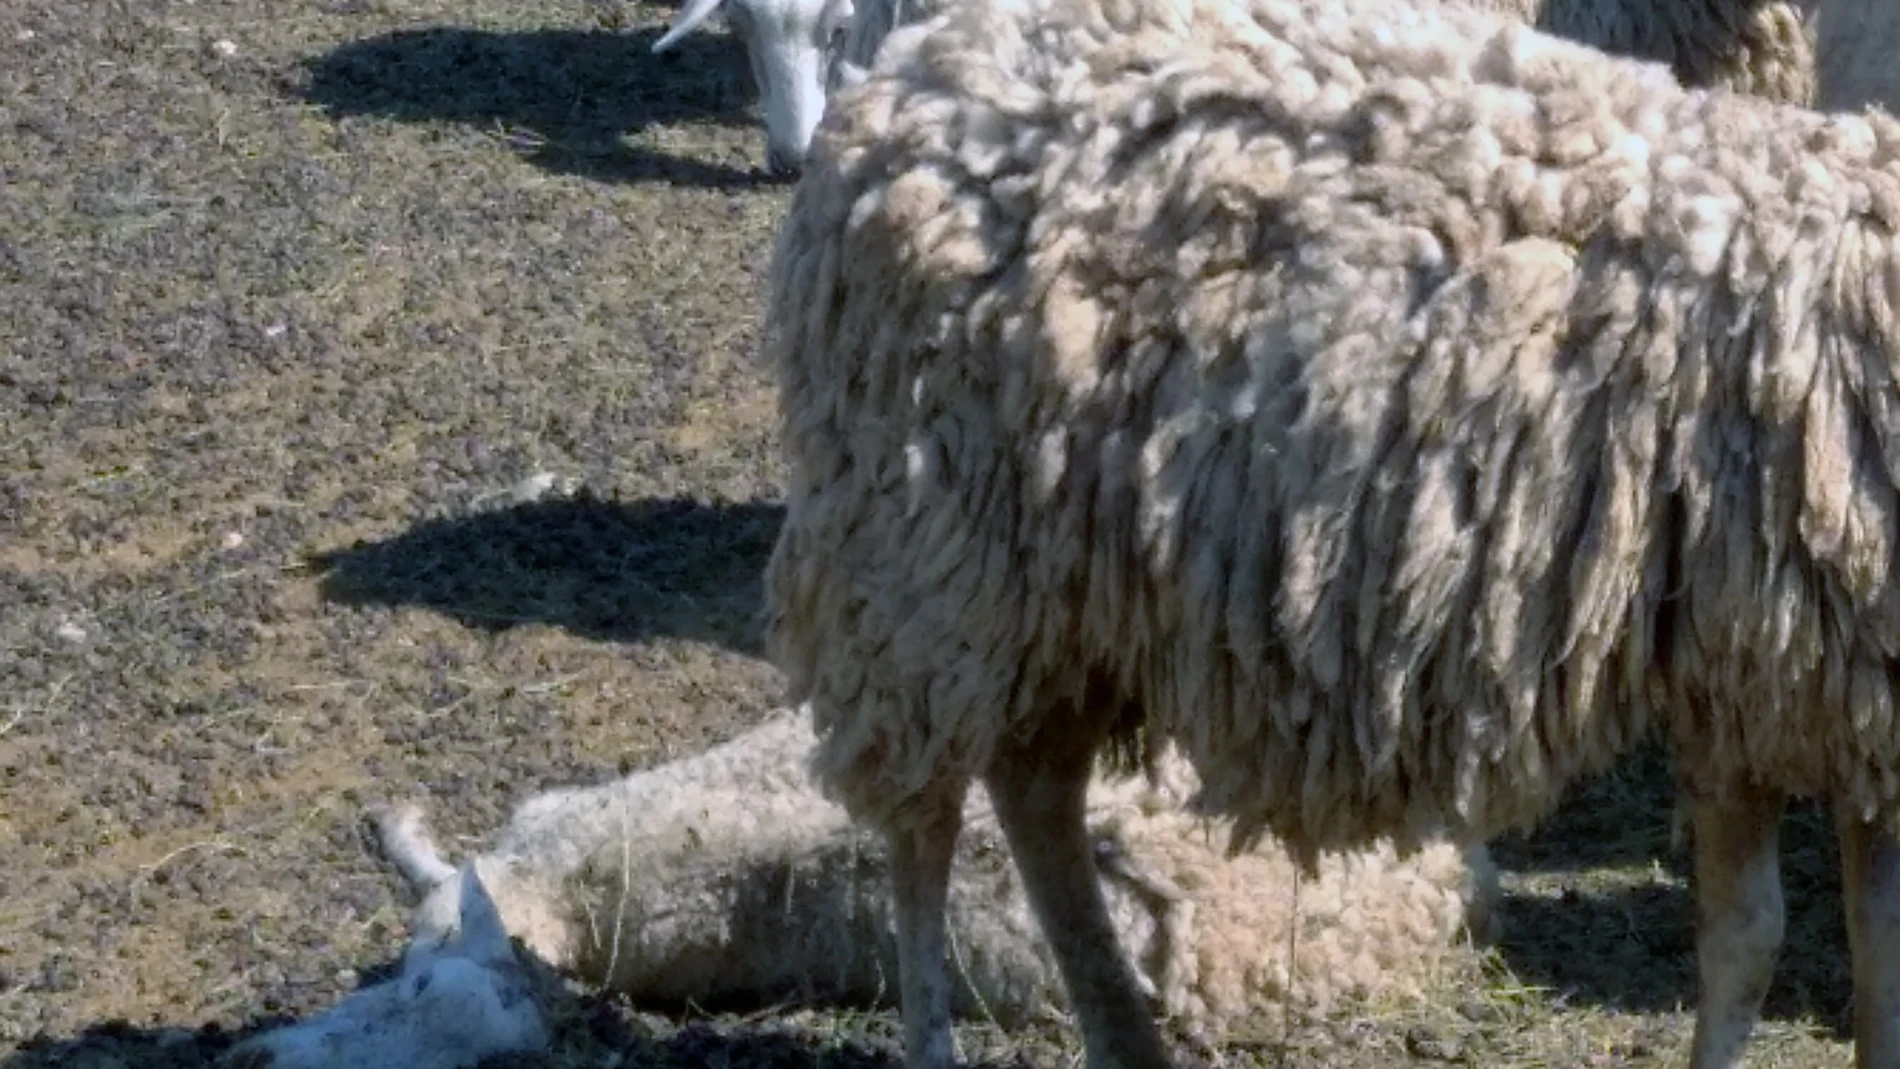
{"x": 694, "y": 13}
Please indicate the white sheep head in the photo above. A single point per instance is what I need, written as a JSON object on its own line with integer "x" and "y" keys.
{"x": 789, "y": 44}
{"x": 460, "y": 998}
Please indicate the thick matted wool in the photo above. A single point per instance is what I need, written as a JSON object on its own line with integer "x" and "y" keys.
{"x": 1764, "y": 47}
{"x": 1405, "y": 413}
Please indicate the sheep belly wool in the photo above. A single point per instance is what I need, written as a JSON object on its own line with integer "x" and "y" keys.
{"x": 1401, "y": 413}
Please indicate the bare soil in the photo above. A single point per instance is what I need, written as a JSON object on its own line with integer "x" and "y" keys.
{"x": 380, "y": 415}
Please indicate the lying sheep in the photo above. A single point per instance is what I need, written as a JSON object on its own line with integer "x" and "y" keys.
{"x": 727, "y": 876}
{"x": 1759, "y": 46}
{"x": 1403, "y": 411}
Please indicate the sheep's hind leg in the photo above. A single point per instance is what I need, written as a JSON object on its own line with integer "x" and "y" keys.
{"x": 1740, "y": 918}
{"x": 921, "y": 852}
{"x": 1870, "y": 885}
{"x": 1039, "y": 788}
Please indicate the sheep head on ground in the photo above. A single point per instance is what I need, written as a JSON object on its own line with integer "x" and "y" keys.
{"x": 462, "y": 995}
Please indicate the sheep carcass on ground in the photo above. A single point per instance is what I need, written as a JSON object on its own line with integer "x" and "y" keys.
{"x": 727, "y": 876}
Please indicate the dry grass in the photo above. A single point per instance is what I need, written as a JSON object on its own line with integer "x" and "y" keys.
{"x": 310, "y": 313}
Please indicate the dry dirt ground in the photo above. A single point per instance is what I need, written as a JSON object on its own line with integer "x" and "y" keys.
{"x": 380, "y": 414}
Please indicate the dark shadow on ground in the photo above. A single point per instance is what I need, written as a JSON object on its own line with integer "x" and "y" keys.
{"x": 1621, "y": 818}
{"x": 1602, "y": 943}
{"x": 692, "y": 1046}
{"x": 562, "y": 98}
{"x": 118, "y": 1043}
{"x": 603, "y": 569}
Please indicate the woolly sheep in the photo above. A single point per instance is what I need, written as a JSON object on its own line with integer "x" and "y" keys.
{"x": 727, "y": 875}
{"x": 1401, "y": 410}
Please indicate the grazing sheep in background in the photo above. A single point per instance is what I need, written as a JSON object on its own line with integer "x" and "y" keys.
{"x": 788, "y": 44}
{"x": 728, "y": 876}
{"x": 1403, "y": 411}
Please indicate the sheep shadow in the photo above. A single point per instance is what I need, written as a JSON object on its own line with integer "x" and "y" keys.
{"x": 1602, "y": 908}
{"x": 720, "y": 1041}
{"x": 120, "y": 1043}
{"x": 1619, "y": 819}
{"x": 562, "y": 98}
{"x": 602, "y": 569}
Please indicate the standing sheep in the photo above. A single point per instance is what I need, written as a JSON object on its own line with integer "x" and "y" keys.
{"x": 727, "y": 875}
{"x": 1403, "y": 411}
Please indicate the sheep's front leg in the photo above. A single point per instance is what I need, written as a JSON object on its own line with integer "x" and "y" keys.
{"x": 1870, "y": 885}
{"x": 921, "y": 852}
{"x": 1040, "y": 791}
{"x": 1739, "y": 923}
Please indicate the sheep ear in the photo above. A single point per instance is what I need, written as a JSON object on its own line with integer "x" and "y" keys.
{"x": 850, "y": 74}
{"x": 695, "y": 12}
{"x": 480, "y": 932}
